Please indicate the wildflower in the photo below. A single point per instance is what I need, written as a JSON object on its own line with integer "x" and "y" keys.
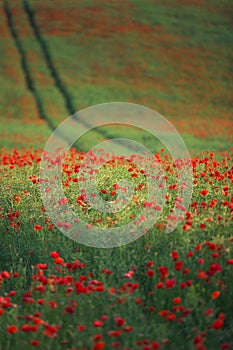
{"x": 128, "y": 329}
{"x": 209, "y": 312}
{"x": 179, "y": 265}
{"x": 204, "y": 192}
{"x": 201, "y": 261}
{"x": 225, "y": 346}
{"x": 99, "y": 346}
{"x": 170, "y": 283}
{"x": 159, "y": 285}
{"x": 98, "y": 323}
{"x": 54, "y": 254}
{"x": 150, "y": 273}
{"x": 189, "y": 254}
{"x": 217, "y": 324}
{"x": 215, "y": 294}
{"x": 175, "y": 255}
{"x": 28, "y": 328}
{"x": 177, "y": 300}
{"x": 114, "y": 333}
{"x": 12, "y": 329}
{"x": 5, "y": 274}
{"x": 35, "y": 342}
{"x": 63, "y": 201}
{"x": 37, "y": 227}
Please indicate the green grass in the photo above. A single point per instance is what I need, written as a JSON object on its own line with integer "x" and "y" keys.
{"x": 172, "y": 57}
{"x": 22, "y": 248}
{"x": 166, "y": 69}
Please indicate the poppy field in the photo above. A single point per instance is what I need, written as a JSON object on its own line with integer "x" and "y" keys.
{"x": 162, "y": 290}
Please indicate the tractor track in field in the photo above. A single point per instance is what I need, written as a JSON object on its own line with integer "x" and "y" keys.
{"x": 29, "y": 81}
{"x": 48, "y": 59}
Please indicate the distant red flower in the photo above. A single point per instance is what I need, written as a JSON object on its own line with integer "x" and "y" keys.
{"x": 41, "y": 266}
{"x": 150, "y": 264}
{"x": 201, "y": 261}
{"x": 5, "y": 274}
{"x": 51, "y": 331}
{"x": 204, "y": 192}
{"x": 187, "y": 311}
{"x": 209, "y": 312}
{"x": 28, "y": 328}
{"x": 171, "y": 317}
{"x": 54, "y": 254}
{"x": 63, "y": 201}
{"x": 177, "y": 300}
{"x": 221, "y": 316}
{"x": 12, "y": 329}
{"x": 217, "y": 324}
{"x": 104, "y": 317}
{"x": 128, "y": 329}
{"x": 189, "y": 283}
{"x": 189, "y": 254}
{"x": 159, "y": 285}
{"x": 179, "y": 265}
{"x": 170, "y": 283}
{"x": 114, "y": 333}
{"x": 155, "y": 345}
{"x": 198, "y": 247}
{"x": 37, "y": 227}
{"x": 163, "y": 272}
{"x": 225, "y": 346}
{"x": 35, "y": 342}
{"x": 12, "y": 293}
{"x": 98, "y": 337}
{"x": 216, "y": 294}
{"x": 150, "y": 273}
{"x": 99, "y": 346}
{"x": 163, "y": 313}
{"x": 119, "y": 321}
{"x": 98, "y": 323}
{"x": 174, "y": 255}
{"x": 58, "y": 261}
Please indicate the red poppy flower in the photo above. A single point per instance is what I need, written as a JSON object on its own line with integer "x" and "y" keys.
{"x": 37, "y": 227}
{"x": 35, "y": 342}
{"x": 177, "y": 300}
{"x": 99, "y": 346}
{"x": 54, "y": 254}
{"x": 204, "y": 192}
{"x": 216, "y": 294}
{"x": 5, "y": 274}
{"x": 174, "y": 255}
{"x": 98, "y": 323}
{"x": 12, "y": 329}
{"x": 217, "y": 324}
{"x": 150, "y": 273}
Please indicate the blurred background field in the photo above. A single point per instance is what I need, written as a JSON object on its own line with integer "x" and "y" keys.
{"x": 172, "y": 56}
